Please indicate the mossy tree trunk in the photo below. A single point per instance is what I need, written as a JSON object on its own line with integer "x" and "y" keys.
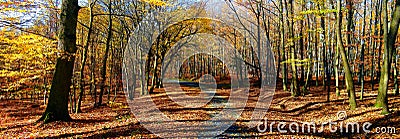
{"x": 389, "y": 38}
{"x": 348, "y": 74}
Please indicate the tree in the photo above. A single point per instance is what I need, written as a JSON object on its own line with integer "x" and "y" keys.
{"x": 348, "y": 74}
{"x": 282, "y": 45}
{"x": 290, "y": 14}
{"x": 57, "y": 106}
{"x": 84, "y": 57}
{"x": 389, "y": 39}
{"x": 361, "y": 75}
{"x": 396, "y": 74}
{"x": 108, "y": 45}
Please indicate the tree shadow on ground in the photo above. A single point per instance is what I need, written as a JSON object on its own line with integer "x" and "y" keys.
{"x": 16, "y": 126}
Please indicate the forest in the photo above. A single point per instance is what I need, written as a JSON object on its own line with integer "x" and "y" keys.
{"x": 199, "y": 69}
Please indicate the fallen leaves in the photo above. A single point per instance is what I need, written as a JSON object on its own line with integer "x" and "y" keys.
{"x": 116, "y": 120}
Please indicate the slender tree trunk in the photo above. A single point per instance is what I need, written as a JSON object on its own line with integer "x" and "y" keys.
{"x": 154, "y": 77}
{"x": 73, "y": 94}
{"x": 380, "y": 43}
{"x": 349, "y": 31}
{"x": 377, "y": 35}
{"x": 337, "y": 69}
{"x": 279, "y": 47}
{"x": 326, "y": 77}
{"x": 259, "y": 71}
{"x": 348, "y": 74}
{"x": 111, "y": 75}
{"x": 104, "y": 67}
{"x": 93, "y": 89}
{"x": 362, "y": 51}
{"x": 57, "y": 107}
{"x": 309, "y": 53}
{"x": 301, "y": 43}
{"x": 84, "y": 57}
{"x": 316, "y": 53}
{"x": 282, "y": 44}
{"x": 45, "y": 85}
{"x": 396, "y": 74}
{"x": 295, "y": 87}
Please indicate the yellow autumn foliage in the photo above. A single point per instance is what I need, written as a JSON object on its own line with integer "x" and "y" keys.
{"x": 155, "y": 2}
{"x": 24, "y": 54}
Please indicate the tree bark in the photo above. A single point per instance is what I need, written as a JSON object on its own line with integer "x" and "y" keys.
{"x": 396, "y": 74}
{"x": 295, "y": 87}
{"x": 389, "y": 38}
{"x": 348, "y": 74}
{"x": 377, "y": 35}
{"x": 57, "y": 107}
{"x": 326, "y": 77}
{"x": 104, "y": 67}
{"x": 282, "y": 44}
{"x": 84, "y": 57}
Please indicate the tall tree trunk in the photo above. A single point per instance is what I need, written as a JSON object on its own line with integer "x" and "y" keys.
{"x": 57, "y": 107}
{"x": 279, "y": 46}
{"x": 108, "y": 45}
{"x": 301, "y": 44}
{"x": 93, "y": 89}
{"x": 389, "y": 38}
{"x": 309, "y": 56}
{"x": 396, "y": 74}
{"x": 337, "y": 68}
{"x": 316, "y": 53}
{"x": 295, "y": 86}
{"x": 259, "y": 71}
{"x": 326, "y": 77}
{"x": 377, "y": 35}
{"x": 349, "y": 29}
{"x": 84, "y": 57}
{"x": 282, "y": 44}
{"x": 112, "y": 74}
{"x": 348, "y": 74}
{"x": 362, "y": 51}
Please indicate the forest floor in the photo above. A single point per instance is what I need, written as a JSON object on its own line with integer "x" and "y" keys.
{"x": 18, "y": 117}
